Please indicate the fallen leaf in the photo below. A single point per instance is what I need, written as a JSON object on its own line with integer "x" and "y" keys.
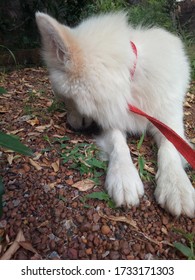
{"x": 42, "y": 128}
{"x": 56, "y": 165}
{"x": 10, "y": 158}
{"x": 33, "y": 122}
{"x": 16, "y": 131}
{"x": 3, "y": 110}
{"x": 43, "y": 224}
{"x": 28, "y": 246}
{"x": 14, "y": 247}
{"x": 186, "y": 104}
{"x": 149, "y": 169}
{"x": 84, "y": 185}
{"x": 187, "y": 113}
{"x": 35, "y": 165}
{"x": 192, "y": 141}
{"x": 122, "y": 219}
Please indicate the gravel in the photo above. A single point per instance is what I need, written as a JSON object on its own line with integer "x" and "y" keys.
{"x": 51, "y": 213}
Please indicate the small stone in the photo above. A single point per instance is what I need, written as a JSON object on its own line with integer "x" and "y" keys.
{"x": 26, "y": 167}
{"x": 89, "y": 251}
{"x": 52, "y": 245}
{"x": 96, "y": 241}
{"x": 114, "y": 255}
{"x": 95, "y": 227}
{"x": 105, "y": 229}
{"x": 150, "y": 248}
{"x": 85, "y": 227}
{"x": 165, "y": 220}
{"x": 72, "y": 254}
{"x": 96, "y": 218}
{"x": 136, "y": 247}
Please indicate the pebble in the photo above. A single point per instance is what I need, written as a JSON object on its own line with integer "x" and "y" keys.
{"x": 114, "y": 255}
{"x": 136, "y": 247}
{"x": 85, "y": 227}
{"x": 95, "y": 227}
{"x": 72, "y": 254}
{"x": 150, "y": 248}
{"x": 89, "y": 251}
{"x": 26, "y": 167}
{"x": 165, "y": 220}
{"x": 105, "y": 229}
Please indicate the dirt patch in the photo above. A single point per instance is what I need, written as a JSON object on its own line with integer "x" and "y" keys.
{"x": 59, "y": 220}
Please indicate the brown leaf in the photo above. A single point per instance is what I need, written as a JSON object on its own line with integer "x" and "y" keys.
{"x": 35, "y": 165}
{"x": 28, "y": 246}
{"x": 16, "y": 131}
{"x": 14, "y": 247}
{"x": 33, "y": 122}
{"x": 42, "y": 128}
{"x": 84, "y": 185}
{"x": 56, "y": 165}
{"x": 122, "y": 219}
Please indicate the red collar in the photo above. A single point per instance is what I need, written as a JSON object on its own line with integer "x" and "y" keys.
{"x": 134, "y": 48}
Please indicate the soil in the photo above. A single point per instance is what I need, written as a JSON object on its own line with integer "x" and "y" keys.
{"x": 41, "y": 203}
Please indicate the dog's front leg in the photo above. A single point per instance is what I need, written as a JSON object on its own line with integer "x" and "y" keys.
{"x": 122, "y": 182}
{"x": 174, "y": 190}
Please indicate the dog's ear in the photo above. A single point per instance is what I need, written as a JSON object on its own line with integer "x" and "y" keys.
{"x": 59, "y": 46}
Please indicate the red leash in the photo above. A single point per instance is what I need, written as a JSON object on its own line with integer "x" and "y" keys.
{"x": 181, "y": 145}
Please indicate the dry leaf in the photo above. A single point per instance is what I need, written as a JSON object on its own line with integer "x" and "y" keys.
{"x": 28, "y": 246}
{"x": 14, "y": 247}
{"x": 16, "y": 131}
{"x": 37, "y": 156}
{"x": 35, "y": 165}
{"x": 84, "y": 185}
{"x": 192, "y": 141}
{"x": 122, "y": 219}
{"x": 149, "y": 169}
{"x": 3, "y": 110}
{"x": 33, "y": 121}
{"x": 10, "y": 158}
{"x": 186, "y": 104}
{"x": 42, "y": 128}
{"x": 187, "y": 113}
{"x": 55, "y": 165}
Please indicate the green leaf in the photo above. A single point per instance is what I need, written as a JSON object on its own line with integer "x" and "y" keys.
{"x": 2, "y": 91}
{"x": 98, "y": 195}
{"x": 185, "y": 250}
{"x": 9, "y": 142}
{"x": 140, "y": 141}
{"x": 141, "y": 163}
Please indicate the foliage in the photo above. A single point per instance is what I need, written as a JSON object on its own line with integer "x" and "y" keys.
{"x": 103, "y": 196}
{"x": 12, "y": 143}
{"x": 17, "y": 21}
{"x": 186, "y": 250}
{"x": 83, "y": 157}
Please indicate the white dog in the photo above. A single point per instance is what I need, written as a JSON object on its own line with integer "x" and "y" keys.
{"x": 95, "y": 70}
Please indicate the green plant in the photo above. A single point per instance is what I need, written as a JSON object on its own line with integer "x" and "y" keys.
{"x": 189, "y": 249}
{"x": 83, "y": 157}
{"x": 103, "y": 196}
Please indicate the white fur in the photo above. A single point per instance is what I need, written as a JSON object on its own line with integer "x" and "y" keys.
{"x": 90, "y": 68}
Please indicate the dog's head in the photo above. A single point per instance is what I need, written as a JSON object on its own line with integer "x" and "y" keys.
{"x": 89, "y": 66}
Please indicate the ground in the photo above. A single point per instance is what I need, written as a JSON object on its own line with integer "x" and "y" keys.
{"x": 54, "y": 203}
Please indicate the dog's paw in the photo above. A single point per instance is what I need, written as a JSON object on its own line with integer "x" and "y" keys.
{"x": 175, "y": 192}
{"x": 124, "y": 184}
